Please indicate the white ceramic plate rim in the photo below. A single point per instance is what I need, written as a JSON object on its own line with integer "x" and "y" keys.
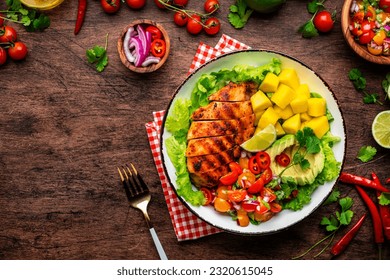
{"x": 258, "y": 57}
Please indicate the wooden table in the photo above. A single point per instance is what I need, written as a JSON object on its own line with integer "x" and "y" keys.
{"x": 64, "y": 128}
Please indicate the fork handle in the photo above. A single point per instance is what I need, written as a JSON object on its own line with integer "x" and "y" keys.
{"x": 158, "y": 245}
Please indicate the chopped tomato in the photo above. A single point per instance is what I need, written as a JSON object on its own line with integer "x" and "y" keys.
{"x": 249, "y": 205}
{"x": 237, "y": 195}
{"x": 234, "y": 166}
{"x": 222, "y": 205}
{"x": 207, "y": 195}
{"x": 264, "y": 217}
{"x": 246, "y": 179}
{"x": 222, "y": 192}
{"x": 257, "y": 186}
{"x": 283, "y": 159}
{"x": 268, "y": 195}
{"x": 242, "y": 218}
{"x": 158, "y": 48}
{"x": 275, "y": 207}
{"x": 262, "y": 208}
{"x": 267, "y": 175}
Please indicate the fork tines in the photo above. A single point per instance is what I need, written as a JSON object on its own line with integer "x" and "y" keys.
{"x": 132, "y": 181}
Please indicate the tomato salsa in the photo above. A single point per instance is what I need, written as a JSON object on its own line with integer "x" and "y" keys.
{"x": 370, "y": 25}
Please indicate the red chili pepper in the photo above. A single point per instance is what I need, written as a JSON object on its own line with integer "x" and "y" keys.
{"x": 361, "y": 181}
{"x": 384, "y": 210}
{"x": 263, "y": 160}
{"x": 283, "y": 159}
{"x": 80, "y": 15}
{"x": 340, "y": 246}
{"x": 253, "y": 165}
{"x": 376, "y": 218}
{"x": 388, "y": 181}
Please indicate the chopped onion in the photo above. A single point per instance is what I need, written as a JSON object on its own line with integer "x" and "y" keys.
{"x": 126, "y": 44}
{"x": 150, "y": 60}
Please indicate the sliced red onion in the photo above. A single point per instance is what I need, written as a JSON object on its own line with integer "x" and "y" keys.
{"x": 136, "y": 43}
{"x": 144, "y": 50}
{"x": 387, "y": 27}
{"x": 126, "y": 44}
{"x": 150, "y": 60}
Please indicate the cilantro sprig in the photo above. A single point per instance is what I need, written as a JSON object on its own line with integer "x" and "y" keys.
{"x": 366, "y": 153}
{"x": 340, "y": 218}
{"x": 360, "y": 84}
{"x": 31, "y": 19}
{"x": 98, "y": 56}
{"x": 239, "y": 14}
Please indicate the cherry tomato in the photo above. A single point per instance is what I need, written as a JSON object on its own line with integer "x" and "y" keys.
{"x": 323, "y": 21}
{"x": 222, "y": 205}
{"x": 212, "y": 26}
{"x": 156, "y": 33}
{"x": 257, "y": 186}
{"x": 1, "y": 20}
{"x": 229, "y": 179}
{"x": 3, "y": 56}
{"x": 264, "y": 216}
{"x": 158, "y": 48}
{"x": 246, "y": 179}
{"x": 136, "y": 4}
{"x": 268, "y": 195}
{"x": 385, "y": 5}
{"x": 180, "y": 3}
{"x": 210, "y": 6}
{"x": 180, "y": 18}
{"x": 161, "y": 6}
{"x": 222, "y": 192}
{"x": 9, "y": 34}
{"x": 237, "y": 195}
{"x": 234, "y": 166}
{"x": 110, "y": 6}
{"x": 194, "y": 25}
{"x": 275, "y": 207}
{"x": 244, "y": 162}
{"x": 18, "y": 51}
{"x": 367, "y": 25}
{"x": 374, "y": 49}
{"x": 249, "y": 205}
{"x": 283, "y": 159}
{"x": 366, "y": 37}
{"x": 263, "y": 160}
{"x": 208, "y": 195}
{"x": 262, "y": 207}
{"x": 267, "y": 175}
{"x": 242, "y": 218}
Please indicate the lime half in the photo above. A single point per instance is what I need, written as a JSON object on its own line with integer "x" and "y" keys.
{"x": 261, "y": 140}
{"x": 41, "y": 4}
{"x": 381, "y": 129}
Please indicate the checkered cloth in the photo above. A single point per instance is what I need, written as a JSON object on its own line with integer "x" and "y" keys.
{"x": 187, "y": 226}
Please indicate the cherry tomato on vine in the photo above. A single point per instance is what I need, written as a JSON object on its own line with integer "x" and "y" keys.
{"x": 194, "y": 25}
{"x": 110, "y": 6}
{"x": 161, "y": 6}
{"x": 3, "y": 56}
{"x": 136, "y": 4}
{"x": 156, "y": 33}
{"x": 8, "y": 34}
{"x": 385, "y": 5}
{"x": 180, "y": 3}
{"x": 212, "y": 26}
{"x": 180, "y": 18}
{"x": 18, "y": 51}
{"x": 210, "y": 6}
{"x": 158, "y": 48}
{"x": 323, "y": 21}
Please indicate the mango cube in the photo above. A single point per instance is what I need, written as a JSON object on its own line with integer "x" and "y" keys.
{"x": 270, "y": 83}
{"x": 279, "y": 129}
{"x": 289, "y": 77}
{"x": 299, "y": 105}
{"x": 316, "y": 107}
{"x": 284, "y": 113}
{"x": 260, "y": 101}
{"x": 292, "y": 125}
{"x": 258, "y": 115}
{"x": 303, "y": 91}
{"x": 283, "y": 96}
{"x": 320, "y": 126}
{"x": 269, "y": 117}
{"x": 305, "y": 117}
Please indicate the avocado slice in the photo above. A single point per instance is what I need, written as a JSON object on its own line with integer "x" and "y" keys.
{"x": 288, "y": 145}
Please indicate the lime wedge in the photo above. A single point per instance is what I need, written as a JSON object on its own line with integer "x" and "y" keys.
{"x": 261, "y": 140}
{"x": 381, "y": 129}
{"x": 41, "y": 4}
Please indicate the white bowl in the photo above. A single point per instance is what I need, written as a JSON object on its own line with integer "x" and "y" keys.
{"x": 252, "y": 57}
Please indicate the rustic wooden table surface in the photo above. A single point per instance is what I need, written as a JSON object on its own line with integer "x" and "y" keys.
{"x": 65, "y": 127}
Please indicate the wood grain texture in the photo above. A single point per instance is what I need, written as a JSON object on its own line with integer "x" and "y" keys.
{"x": 64, "y": 128}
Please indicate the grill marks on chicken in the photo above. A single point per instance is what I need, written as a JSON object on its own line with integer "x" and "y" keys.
{"x": 216, "y": 132}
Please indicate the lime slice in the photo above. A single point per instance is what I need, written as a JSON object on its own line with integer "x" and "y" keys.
{"x": 381, "y": 129}
{"x": 41, "y": 4}
{"x": 261, "y": 140}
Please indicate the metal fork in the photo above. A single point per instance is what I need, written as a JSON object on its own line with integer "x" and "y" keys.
{"x": 138, "y": 195}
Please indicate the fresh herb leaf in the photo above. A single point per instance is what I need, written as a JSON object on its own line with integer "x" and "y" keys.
{"x": 333, "y": 197}
{"x": 239, "y": 14}
{"x": 308, "y": 30}
{"x": 366, "y": 153}
{"x": 345, "y": 203}
{"x": 384, "y": 199}
{"x": 360, "y": 83}
{"x": 98, "y": 56}
{"x": 314, "y": 6}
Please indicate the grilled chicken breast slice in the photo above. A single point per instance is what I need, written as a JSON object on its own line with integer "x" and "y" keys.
{"x": 235, "y": 92}
{"x": 220, "y": 127}
{"x": 209, "y": 178}
{"x": 199, "y": 164}
{"x": 217, "y": 110}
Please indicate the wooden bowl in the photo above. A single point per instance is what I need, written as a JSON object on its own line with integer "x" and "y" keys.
{"x": 151, "y": 67}
{"x": 361, "y": 50}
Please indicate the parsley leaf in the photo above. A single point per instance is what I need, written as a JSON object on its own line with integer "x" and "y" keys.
{"x": 360, "y": 83}
{"x": 239, "y": 14}
{"x": 366, "y": 153}
{"x": 333, "y": 197}
{"x": 98, "y": 56}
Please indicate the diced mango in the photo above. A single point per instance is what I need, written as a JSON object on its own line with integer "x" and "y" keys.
{"x": 270, "y": 83}
{"x": 289, "y": 77}
{"x": 292, "y": 125}
{"x": 284, "y": 113}
{"x": 305, "y": 117}
{"x": 316, "y": 107}
{"x": 303, "y": 91}
{"x": 283, "y": 96}
{"x": 320, "y": 126}
{"x": 260, "y": 101}
{"x": 258, "y": 115}
{"x": 299, "y": 105}
{"x": 269, "y": 117}
{"x": 279, "y": 129}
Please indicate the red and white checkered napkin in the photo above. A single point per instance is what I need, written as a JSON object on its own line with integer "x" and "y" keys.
{"x": 187, "y": 226}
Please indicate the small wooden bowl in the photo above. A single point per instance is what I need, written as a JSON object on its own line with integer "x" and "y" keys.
{"x": 361, "y": 50}
{"x": 151, "y": 67}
